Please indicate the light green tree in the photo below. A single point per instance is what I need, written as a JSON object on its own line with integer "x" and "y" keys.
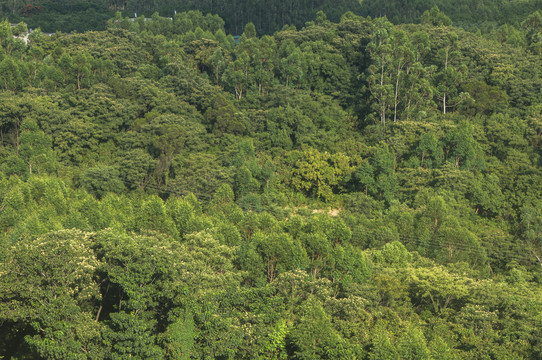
{"x": 320, "y": 173}
{"x": 49, "y": 287}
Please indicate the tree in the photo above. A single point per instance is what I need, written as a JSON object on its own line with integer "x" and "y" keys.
{"x": 314, "y": 337}
{"x": 65, "y": 62}
{"x": 533, "y": 27}
{"x": 35, "y": 38}
{"x": 199, "y": 173}
{"x": 223, "y": 116}
{"x": 250, "y": 31}
{"x": 100, "y": 180}
{"x": 380, "y": 83}
{"x": 137, "y": 167}
{"x": 244, "y": 183}
{"x": 463, "y": 149}
{"x": 279, "y": 253}
{"x": 435, "y": 17}
{"x": 179, "y": 339}
{"x": 137, "y": 276}
{"x": 219, "y": 62}
{"x": 10, "y": 74}
{"x": 430, "y": 151}
{"x": 487, "y": 99}
{"x": 384, "y": 168}
{"x": 6, "y": 33}
{"x": 170, "y": 134}
{"x": 413, "y": 345}
{"x": 441, "y": 288}
{"x": 132, "y": 336}
{"x": 394, "y": 254}
{"x": 364, "y": 176}
{"x": 319, "y": 251}
{"x": 35, "y": 148}
{"x": 185, "y": 214}
{"x": 290, "y": 59}
{"x": 403, "y": 59}
{"x": 382, "y": 346}
{"x": 263, "y": 59}
{"x": 320, "y": 173}
{"x": 449, "y": 76}
{"x": 153, "y": 216}
{"x": 82, "y": 67}
{"x": 236, "y": 74}
{"x": 49, "y": 289}
{"x": 418, "y": 90}
{"x": 487, "y": 195}
{"x": 20, "y": 29}
{"x": 531, "y": 230}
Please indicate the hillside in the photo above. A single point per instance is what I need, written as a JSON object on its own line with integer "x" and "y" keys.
{"x": 354, "y": 189}
{"x": 268, "y": 16}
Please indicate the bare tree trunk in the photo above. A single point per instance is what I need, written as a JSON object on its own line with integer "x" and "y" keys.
{"x": 445, "y": 68}
{"x": 396, "y": 93}
{"x": 383, "y": 107}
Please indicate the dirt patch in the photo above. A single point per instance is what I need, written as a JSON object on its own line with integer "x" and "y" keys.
{"x": 330, "y": 212}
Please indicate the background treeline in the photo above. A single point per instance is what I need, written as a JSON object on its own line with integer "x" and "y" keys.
{"x": 351, "y": 190}
{"x": 268, "y": 16}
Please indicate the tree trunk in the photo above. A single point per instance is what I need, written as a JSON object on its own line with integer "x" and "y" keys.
{"x": 382, "y": 105}
{"x": 396, "y": 93}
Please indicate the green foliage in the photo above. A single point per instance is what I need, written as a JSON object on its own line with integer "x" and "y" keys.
{"x": 394, "y": 254}
{"x": 131, "y": 336}
{"x": 100, "y": 180}
{"x": 463, "y": 149}
{"x": 429, "y": 150}
{"x": 223, "y": 117}
{"x": 413, "y": 345}
{"x": 10, "y": 79}
{"x": 313, "y": 337}
{"x": 533, "y": 27}
{"x": 437, "y": 287}
{"x": 351, "y": 190}
{"x": 179, "y": 337}
{"x": 48, "y": 288}
{"x": 383, "y": 347}
{"x": 319, "y": 173}
{"x": 435, "y": 17}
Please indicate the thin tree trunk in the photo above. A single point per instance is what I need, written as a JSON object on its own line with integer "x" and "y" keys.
{"x": 445, "y": 68}
{"x": 382, "y": 107}
{"x": 17, "y": 138}
{"x": 101, "y": 305}
{"x": 396, "y": 93}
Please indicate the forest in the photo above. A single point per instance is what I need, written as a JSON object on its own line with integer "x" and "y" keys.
{"x": 347, "y": 188}
{"x": 268, "y": 16}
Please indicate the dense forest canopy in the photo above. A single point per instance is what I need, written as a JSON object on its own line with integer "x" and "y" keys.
{"x": 268, "y": 16}
{"x": 344, "y": 189}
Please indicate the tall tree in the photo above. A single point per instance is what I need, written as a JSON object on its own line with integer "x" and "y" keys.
{"x": 449, "y": 75}
{"x": 379, "y": 81}
{"x": 49, "y": 290}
